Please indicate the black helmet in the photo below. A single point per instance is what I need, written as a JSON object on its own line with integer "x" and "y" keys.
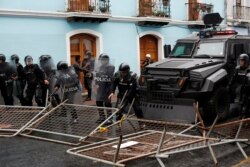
{"x": 44, "y": 58}
{"x": 62, "y": 65}
{"x": 15, "y": 58}
{"x": 124, "y": 67}
{"x": 244, "y": 57}
{"x": 27, "y": 57}
{"x": 2, "y": 57}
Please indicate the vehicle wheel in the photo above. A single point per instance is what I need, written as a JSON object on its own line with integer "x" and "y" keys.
{"x": 218, "y": 104}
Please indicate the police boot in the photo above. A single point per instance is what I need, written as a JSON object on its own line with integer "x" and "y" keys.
{"x": 119, "y": 116}
{"x": 101, "y": 117}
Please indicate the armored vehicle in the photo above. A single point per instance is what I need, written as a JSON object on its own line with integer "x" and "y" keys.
{"x": 198, "y": 69}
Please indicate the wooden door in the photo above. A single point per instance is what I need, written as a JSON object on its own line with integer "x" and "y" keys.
{"x": 145, "y": 7}
{"x": 79, "y": 44}
{"x": 148, "y": 45}
{"x": 193, "y": 13}
{"x": 78, "y": 5}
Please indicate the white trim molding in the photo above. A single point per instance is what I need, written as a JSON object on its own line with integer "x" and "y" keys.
{"x": 64, "y": 15}
{"x": 160, "y": 44}
{"x": 99, "y": 40}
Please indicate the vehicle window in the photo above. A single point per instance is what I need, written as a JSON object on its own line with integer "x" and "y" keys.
{"x": 211, "y": 49}
{"x": 182, "y": 50}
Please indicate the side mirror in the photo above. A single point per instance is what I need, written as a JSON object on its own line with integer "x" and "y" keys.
{"x": 167, "y": 50}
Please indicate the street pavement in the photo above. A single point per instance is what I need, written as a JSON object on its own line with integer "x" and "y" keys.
{"x": 24, "y": 152}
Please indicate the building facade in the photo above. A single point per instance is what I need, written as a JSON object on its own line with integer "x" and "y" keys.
{"x": 126, "y": 30}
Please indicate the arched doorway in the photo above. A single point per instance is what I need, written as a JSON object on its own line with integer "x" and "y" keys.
{"x": 148, "y": 45}
{"x": 79, "y": 44}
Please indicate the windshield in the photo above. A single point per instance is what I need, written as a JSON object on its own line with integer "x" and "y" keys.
{"x": 211, "y": 49}
{"x": 182, "y": 49}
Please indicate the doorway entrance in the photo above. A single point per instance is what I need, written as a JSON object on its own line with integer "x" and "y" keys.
{"x": 79, "y": 44}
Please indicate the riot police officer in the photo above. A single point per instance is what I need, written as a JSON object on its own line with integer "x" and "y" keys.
{"x": 34, "y": 78}
{"x": 126, "y": 81}
{"x": 67, "y": 80}
{"x": 78, "y": 70}
{"x": 88, "y": 68}
{"x": 7, "y": 73}
{"x": 103, "y": 81}
{"x": 19, "y": 82}
{"x": 47, "y": 65}
{"x": 239, "y": 84}
{"x": 147, "y": 61}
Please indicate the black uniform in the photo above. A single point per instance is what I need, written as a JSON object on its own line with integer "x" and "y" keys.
{"x": 103, "y": 80}
{"x": 49, "y": 69}
{"x": 88, "y": 67}
{"x": 129, "y": 84}
{"x": 67, "y": 80}
{"x": 20, "y": 83}
{"x": 6, "y": 82}
{"x": 78, "y": 69}
{"x": 240, "y": 88}
{"x": 145, "y": 63}
{"x": 34, "y": 78}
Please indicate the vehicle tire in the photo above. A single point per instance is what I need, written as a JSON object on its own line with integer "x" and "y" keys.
{"x": 218, "y": 104}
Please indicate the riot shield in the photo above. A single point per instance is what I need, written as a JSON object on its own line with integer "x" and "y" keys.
{"x": 18, "y": 82}
{"x": 103, "y": 77}
{"x": 48, "y": 66}
{"x": 101, "y": 87}
{"x": 68, "y": 81}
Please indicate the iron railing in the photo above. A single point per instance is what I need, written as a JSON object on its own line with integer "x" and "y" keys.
{"x": 97, "y": 6}
{"x": 196, "y": 11}
{"x": 154, "y": 8}
{"x": 241, "y": 12}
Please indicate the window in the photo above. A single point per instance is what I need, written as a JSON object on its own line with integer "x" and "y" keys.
{"x": 211, "y": 49}
{"x": 182, "y": 50}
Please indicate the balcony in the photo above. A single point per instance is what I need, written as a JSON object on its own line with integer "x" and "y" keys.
{"x": 241, "y": 12}
{"x": 96, "y": 6}
{"x": 196, "y": 11}
{"x": 89, "y": 10}
{"x": 154, "y": 8}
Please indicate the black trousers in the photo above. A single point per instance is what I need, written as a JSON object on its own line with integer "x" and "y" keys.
{"x": 7, "y": 90}
{"x": 30, "y": 92}
{"x": 101, "y": 111}
{"x": 127, "y": 101}
{"x": 88, "y": 85}
{"x": 19, "y": 84}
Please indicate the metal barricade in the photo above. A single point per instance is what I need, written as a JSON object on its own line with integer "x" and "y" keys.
{"x": 14, "y": 119}
{"x": 133, "y": 138}
{"x": 68, "y": 124}
{"x": 215, "y": 135}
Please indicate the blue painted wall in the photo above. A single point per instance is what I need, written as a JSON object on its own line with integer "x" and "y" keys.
{"x": 48, "y": 36}
{"x": 178, "y": 9}
{"x": 124, "y": 7}
{"x": 43, "y": 5}
{"x": 27, "y": 36}
{"x": 37, "y": 36}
